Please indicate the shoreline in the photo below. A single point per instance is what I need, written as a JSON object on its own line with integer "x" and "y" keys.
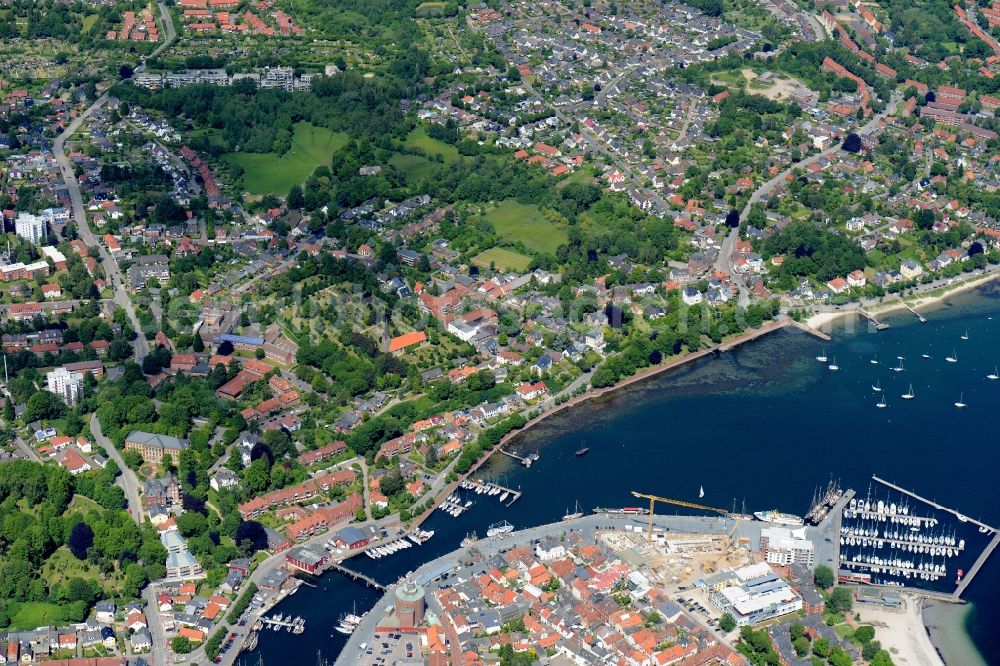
{"x": 822, "y": 320}
{"x": 945, "y": 627}
{"x": 646, "y": 373}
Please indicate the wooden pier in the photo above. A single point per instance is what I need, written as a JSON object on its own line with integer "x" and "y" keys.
{"x": 879, "y": 326}
{"x": 922, "y": 319}
{"x": 354, "y": 575}
{"x": 981, "y": 560}
{"x": 524, "y": 460}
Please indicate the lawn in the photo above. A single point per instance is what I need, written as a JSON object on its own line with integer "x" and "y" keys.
{"x": 503, "y": 259}
{"x": 525, "y": 223}
{"x": 429, "y": 9}
{"x": 34, "y": 614}
{"x": 414, "y": 167}
{"x": 269, "y": 173}
{"x": 63, "y": 565}
{"x": 418, "y": 139}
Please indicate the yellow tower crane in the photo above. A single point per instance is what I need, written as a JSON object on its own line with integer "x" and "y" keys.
{"x": 653, "y": 499}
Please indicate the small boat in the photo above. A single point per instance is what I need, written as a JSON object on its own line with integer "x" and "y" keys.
{"x": 909, "y": 394}
{"x": 701, "y": 491}
{"x": 899, "y": 368}
{"x": 925, "y": 356}
{"x": 583, "y": 451}
{"x": 961, "y": 401}
{"x": 822, "y": 357}
{"x": 966, "y": 335}
{"x": 833, "y": 366}
{"x": 953, "y": 358}
{"x": 993, "y": 375}
{"x": 881, "y": 403}
{"x": 877, "y": 387}
{"x": 469, "y": 540}
{"x": 874, "y": 361}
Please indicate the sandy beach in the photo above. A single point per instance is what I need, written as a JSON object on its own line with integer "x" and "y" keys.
{"x": 820, "y": 320}
{"x": 902, "y": 633}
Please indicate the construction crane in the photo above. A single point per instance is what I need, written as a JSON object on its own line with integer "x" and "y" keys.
{"x": 653, "y": 499}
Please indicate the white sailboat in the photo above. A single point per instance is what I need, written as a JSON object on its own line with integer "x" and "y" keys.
{"x": 925, "y": 355}
{"x": 874, "y": 361}
{"x": 961, "y": 401}
{"x": 953, "y": 358}
{"x": 822, "y": 357}
{"x": 909, "y": 394}
{"x": 993, "y": 375}
{"x": 881, "y": 403}
{"x": 899, "y": 367}
{"x": 834, "y": 366}
{"x": 701, "y": 491}
{"x": 966, "y": 336}
{"x": 877, "y": 387}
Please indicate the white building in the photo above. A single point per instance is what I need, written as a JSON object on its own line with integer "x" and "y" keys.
{"x": 784, "y": 546}
{"x": 30, "y": 227}
{"x": 65, "y": 384}
{"x": 755, "y": 594}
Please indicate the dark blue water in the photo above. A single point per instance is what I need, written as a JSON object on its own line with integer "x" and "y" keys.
{"x": 764, "y": 424}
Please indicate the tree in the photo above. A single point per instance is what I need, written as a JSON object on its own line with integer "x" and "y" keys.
{"x": 840, "y": 600}
{"x": 251, "y": 536}
{"x": 796, "y": 630}
{"x": 801, "y": 645}
{"x": 181, "y": 644}
{"x": 727, "y": 622}
{"x": 823, "y": 575}
{"x": 882, "y": 658}
{"x": 258, "y": 475}
{"x": 870, "y": 649}
{"x": 821, "y": 647}
{"x": 81, "y": 538}
{"x": 864, "y": 633}
{"x": 852, "y": 143}
{"x": 43, "y": 405}
{"x": 295, "y": 197}
{"x": 198, "y": 345}
{"x": 839, "y": 658}
{"x": 733, "y": 219}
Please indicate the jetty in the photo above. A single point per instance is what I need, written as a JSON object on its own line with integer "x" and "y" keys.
{"x": 279, "y": 621}
{"x": 981, "y": 560}
{"x": 514, "y": 495}
{"x": 357, "y": 576}
{"x": 879, "y": 325}
{"x": 524, "y": 460}
{"x": 922, "y": 319}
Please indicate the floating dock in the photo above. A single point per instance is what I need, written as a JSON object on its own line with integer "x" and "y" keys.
{"x": 514, "y": 495}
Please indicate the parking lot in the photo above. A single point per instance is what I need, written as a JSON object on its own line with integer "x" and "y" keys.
{"x": 387, "y": 649}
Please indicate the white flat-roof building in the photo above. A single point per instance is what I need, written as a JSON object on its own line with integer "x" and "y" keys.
{"x": 784, "y": 546}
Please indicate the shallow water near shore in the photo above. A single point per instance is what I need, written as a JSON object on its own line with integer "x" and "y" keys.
{"x": 765, "y": 424}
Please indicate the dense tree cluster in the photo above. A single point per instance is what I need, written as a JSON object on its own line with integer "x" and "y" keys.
{"x": 812, "y": 251}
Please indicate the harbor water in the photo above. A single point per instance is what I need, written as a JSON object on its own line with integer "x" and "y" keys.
{"x": 763, "y": 424}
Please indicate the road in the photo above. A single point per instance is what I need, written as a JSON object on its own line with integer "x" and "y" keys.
{"x": 128, "y": 480}
{"x": 80, "y": 213}
{"x": 722, "y": 263}
{"x": 158, "y": 655}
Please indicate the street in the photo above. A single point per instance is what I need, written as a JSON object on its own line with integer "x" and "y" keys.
{"x": 128, "y": 480}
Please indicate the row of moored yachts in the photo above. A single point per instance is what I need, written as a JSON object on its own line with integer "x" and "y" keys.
{"x": 486, "y": 488}
{"x": 399, "y": 544}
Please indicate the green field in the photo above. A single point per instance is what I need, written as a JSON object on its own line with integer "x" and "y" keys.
{"x": 503, "y": 259}
{"x": 525, "y": 223}
{"x": 268, "y": 173}
{"x": 413, "y": 166}
{"x": 418, "y": 139}
{"x": 429, "y": 9}
{"x": 34, "y": 614}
